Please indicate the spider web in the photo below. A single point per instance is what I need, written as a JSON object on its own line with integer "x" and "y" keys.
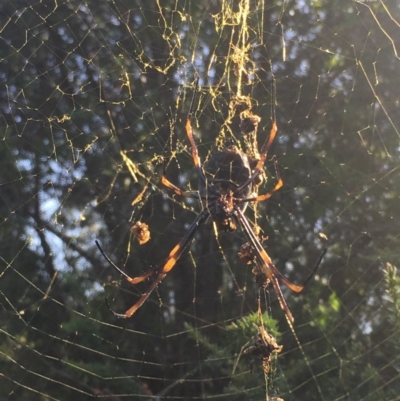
{"x": 94, "y": 100}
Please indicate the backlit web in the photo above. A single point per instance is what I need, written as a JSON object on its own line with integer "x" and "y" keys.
{"x": 94, "y": 100}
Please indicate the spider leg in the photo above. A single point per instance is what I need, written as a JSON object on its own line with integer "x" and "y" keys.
{"x": 263, "y": 156}
{"x": 272, "y": 135}
{"x": 266, "y": 265}
{"x": 257, "y": 245}
{"x": 189, "y": 131}
{"x": 263, "y": 197}
{"x": 265, "y": 148}
{"x": 168, "y": 184}
{"x": 281, "y": 299}
{"x": 167, "y": 266}
{"x": 316, "y": 266}
{"x": 135, "y": 280}
{"x": 195, "y": 153}
{"x": 169, "y": 262}
{"x": 263, "y": 256}
{"x": 189, "y": 134}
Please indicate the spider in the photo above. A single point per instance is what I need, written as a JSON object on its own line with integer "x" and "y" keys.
{"x": 227, "y": 184}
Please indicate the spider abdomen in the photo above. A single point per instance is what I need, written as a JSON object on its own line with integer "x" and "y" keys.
{"x": 226, "y": 171}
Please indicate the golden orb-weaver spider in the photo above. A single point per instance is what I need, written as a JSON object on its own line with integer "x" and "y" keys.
{"x": 227, "y": 183}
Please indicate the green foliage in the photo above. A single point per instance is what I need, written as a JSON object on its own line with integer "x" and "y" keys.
{"x": 393, "y": 293}
{"x": 327, "y": 313}
{"x": 224, "y": 354}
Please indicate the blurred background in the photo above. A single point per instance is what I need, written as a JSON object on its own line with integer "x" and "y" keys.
{"x": 95, "y": 96}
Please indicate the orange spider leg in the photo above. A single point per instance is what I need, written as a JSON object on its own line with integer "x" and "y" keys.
{"x": 268, "y": 268}
{"x": 135, "y": 280}
{"x": 263, "y": 197}
{"x": 195, "y": 153}
{"x": 266, "y": 146}
{"x": 167, "y": 266}
{"x": 168, "y": 184}
{"x": 277, "y": 276}
{"x": 281, "y": 299}
{"x": 263, "y": 156}
{"x": 189, "y": 133}
{"x": 171, "y": 186}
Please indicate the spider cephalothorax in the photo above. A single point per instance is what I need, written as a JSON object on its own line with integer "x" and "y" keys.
{"x": 223, "y": 188}
{"x": 227, "y": 170}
